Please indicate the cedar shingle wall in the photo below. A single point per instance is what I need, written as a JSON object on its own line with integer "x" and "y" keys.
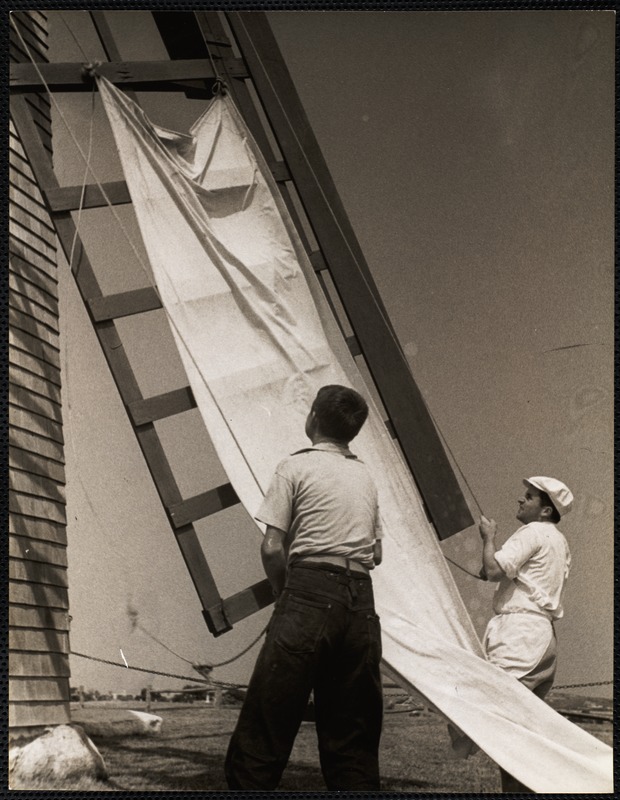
{"x": 38, "y": 597}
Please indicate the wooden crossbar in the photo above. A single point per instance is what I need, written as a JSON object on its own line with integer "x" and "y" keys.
{"x": 124, "y": 304}
{"x": 69, "y": 198}
{"x": 203, "y": 505}
{"x": 140, "y": 75}
{"x": 162, "y": 406}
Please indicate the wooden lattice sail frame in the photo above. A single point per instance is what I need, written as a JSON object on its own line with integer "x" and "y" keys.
{"x": 196, "y": 42}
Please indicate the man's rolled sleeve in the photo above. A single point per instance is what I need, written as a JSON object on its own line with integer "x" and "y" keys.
{"x": 277, "y": 506}
{"x": 520, "y": 547}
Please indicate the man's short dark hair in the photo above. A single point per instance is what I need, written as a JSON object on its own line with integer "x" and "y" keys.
{"x": 545, "y": 500}
{"x": 340, "y": 412}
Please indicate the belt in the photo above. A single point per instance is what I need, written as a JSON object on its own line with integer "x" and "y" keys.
{"x": 335, "y": 561}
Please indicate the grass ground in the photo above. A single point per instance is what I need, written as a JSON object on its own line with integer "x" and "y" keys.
{"x": 188, "y": 754}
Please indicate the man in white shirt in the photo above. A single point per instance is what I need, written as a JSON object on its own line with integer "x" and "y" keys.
{"x": 531, "y": 567}
{"x": 323, "y": 536}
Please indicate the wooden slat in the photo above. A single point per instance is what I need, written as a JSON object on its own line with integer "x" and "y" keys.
{"x": 35, "y": 572}
{"x": 203, "y": 505}
{"x": 317, "y": 260}
{"x": 25, "y": 184}
{"x": 21, "y": 197}
{"x": 41, "y": 114}
{"x": 399, "y": 393}
{"x": 31, "y": 443}
{"x": 23, "y": 714}
{"x": 40, "y": 386}
{"x": 29, "y": 401}
{"x": 39, "y": 23}
{"x": 39, "y": 664}
{"x": 25, "y": 322}
{"x": 354, "y": 346}
{"x": 37, "y": 486}
{"x": 279, "y": 170}
{"x": 201, "y": 576}
{"x": 40, "y": 529}
{"x": 18, "y": 163}
{"x": 141, "y": 75}
{"x": 31, "y": 241}
{"x": 36, "y": 464}
{"x": 69, "y": 198}
{"x": 38, "y": 594}
{"x": 35, "y": 423}
{"x": 33, "y": 291}
{"x": 32, "y": 46}
{"x": 124, "y": 304}
{"x": 33, "y": 550}
{"x": 22, "y": 219}
{"x": 30, "y": 20}
{"x": 38, "y": 689}
{"x": 162, "y": 406}
{"x": 247, "y": 602}
{"x": 33, "y": 346}
{"x": 26, "y": 25}
{"x": 24, "y": 305}
{"x": 42, "y": 274}
{"x": 25, "y": 361}
{"x": 32, "y": 617}
{"x": 47, "y": 641}
{"x": 29, "y": 213}
{"x": 41, "y": 508}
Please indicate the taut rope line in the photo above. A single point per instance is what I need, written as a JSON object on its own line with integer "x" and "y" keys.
{"x": 238, "y": 685}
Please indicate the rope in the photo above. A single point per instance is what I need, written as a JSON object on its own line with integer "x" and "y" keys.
{"x": 243, "y": 652}
{"x": 466, "y": 571}
{"x": 219, "y": 86}
{"x": 133, "y": 615}
{"x": 73, "y": 36}
{"x": 209, "y": 682}
{"x": 581, "y": 685}
{"x": 139, "y": 669}
{"x": 83, "y": 192}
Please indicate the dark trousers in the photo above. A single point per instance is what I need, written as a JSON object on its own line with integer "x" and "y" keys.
{"x": 324, "y": 636}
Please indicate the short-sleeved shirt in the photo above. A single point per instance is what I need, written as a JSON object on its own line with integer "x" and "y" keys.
{"x": 326, "y": 500}
{"x": 536, "y": 560}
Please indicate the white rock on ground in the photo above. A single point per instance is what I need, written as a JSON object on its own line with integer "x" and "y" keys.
{"x": 151, "y": 722}
{"x": 61, "y": 753}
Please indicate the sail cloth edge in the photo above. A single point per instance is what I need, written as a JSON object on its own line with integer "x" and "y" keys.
{"x": 257, "y": 339}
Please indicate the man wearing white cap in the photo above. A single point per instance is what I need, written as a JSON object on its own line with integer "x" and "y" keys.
{"x": 531, "y": 567}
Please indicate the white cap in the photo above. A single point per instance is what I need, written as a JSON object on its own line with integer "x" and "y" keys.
{"x": 559, "y": 494}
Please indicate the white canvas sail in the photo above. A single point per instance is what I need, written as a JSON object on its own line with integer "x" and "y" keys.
{"x": 257, "y": 340}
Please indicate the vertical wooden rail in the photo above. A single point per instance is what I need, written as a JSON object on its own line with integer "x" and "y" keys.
{"x": 401, "y": 397}
{"x": 124, "y": 377}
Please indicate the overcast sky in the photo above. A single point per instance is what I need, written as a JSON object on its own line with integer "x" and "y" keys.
{"x": 473, "y": 153}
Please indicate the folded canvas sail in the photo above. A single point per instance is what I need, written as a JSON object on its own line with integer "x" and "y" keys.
{"x": 257, "y": 339}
